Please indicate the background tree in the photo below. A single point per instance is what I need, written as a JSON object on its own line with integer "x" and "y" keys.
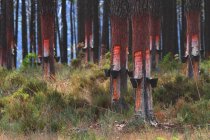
{"x": 24, "y": 30}
{"x": 105, "y": 28}
{"x": 64, "y": 55}
{"x": 96, "y": 30}
{"x": 169, "y": 24}
{"x": 81, "y": 21}
{"x": 207, "y": 28}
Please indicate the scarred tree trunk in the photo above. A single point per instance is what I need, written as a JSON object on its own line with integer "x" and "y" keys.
{"x": 105, "y": 29}
{"x": 47, "y": 28}
{"x": 96, "y": 30}
{"x": 88, "y": 31}
{"x": 141, "y": 80}
{"x": 193, "y": 11}
{"x": 119, "y": 24}
{"x": 155, "y": 33}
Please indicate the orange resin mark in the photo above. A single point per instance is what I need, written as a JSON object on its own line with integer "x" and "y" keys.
{"x": 116, "y": 58}
{"x": 138, "y": 64}
{"x": 115, "y": 90}
{"x": 138, "y": 98}
{"x": 46, "y": 48}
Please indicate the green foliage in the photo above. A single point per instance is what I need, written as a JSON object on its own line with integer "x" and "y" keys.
{"x": 196, "y": 113}
{"x": 27, "y": 59}
{"x": 169, "y": 63}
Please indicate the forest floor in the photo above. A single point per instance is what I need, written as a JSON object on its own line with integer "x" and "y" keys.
{"x": 77, "y": 105}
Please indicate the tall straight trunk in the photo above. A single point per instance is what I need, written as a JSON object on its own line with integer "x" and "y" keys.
{"x": 24, "y": 30}
{"x": 105, "y": 28}
{"x": 47, "y": 28}
{"x": 169, "y": 24}
{"x": 39, "y": 32}
{"x": 64, "y": 57}
{"x": 96, "y": 29}
{"x": 119, "y": 24}
{"x": 3, "y": 34}
{"x": 88, "y": 30}
{"x": 72, "y": 30}
{"x": 81, "y": 21}
{"x": 58, "y": 27}
{"x": 155, "y": 33}
{"x": 183, "y": 29}
{"x": 32, "y": 29}
{"x": 9, "y": 33}
{"x": 193, "y": 46}
{"x": 207, "y": 28}
{"x": 16, "y": 32}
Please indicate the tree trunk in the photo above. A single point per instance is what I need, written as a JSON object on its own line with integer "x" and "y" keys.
{"x": 96, "y": 30}
{"x": 88, "y": 31}
{"x": 24, "y": 30}
{"x": 169, "y": 24}
{"x": 16, "y": 33}
{"x": 9, "y": 33}
{"x": 193, "y": 12}
{"x": 105, "y": 29}
{"x": 207, "y": 28}
{"x": 119, "y": 24}
{"x": 64, "y": 55}
{"x": 72, "y": 30}
{"x": 81, "y": 22}
{"x": 39, "y": 33}
{"x": 32, "y": 30}
{"x": 47, "y": 28}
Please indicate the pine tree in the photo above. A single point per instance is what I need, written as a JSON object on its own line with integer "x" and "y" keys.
{"x": 119, "y": 23}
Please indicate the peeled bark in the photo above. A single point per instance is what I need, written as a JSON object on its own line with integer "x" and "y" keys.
{"x": 193, "y": 46}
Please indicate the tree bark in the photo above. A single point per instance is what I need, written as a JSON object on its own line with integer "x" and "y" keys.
{"x": 207, "y": 28}
{"x": 96, "y": 29}
{"x": 169, "y": 24}
{"x": 24, "y": 30}
{"x": 72, "y": 30}
{"x": 64, "y": 55}
{"x": 105, "y": 29}
{"x": 119, "y": 24}
{"x": 47, "y": 28}
{"x": 81, "y": 22}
